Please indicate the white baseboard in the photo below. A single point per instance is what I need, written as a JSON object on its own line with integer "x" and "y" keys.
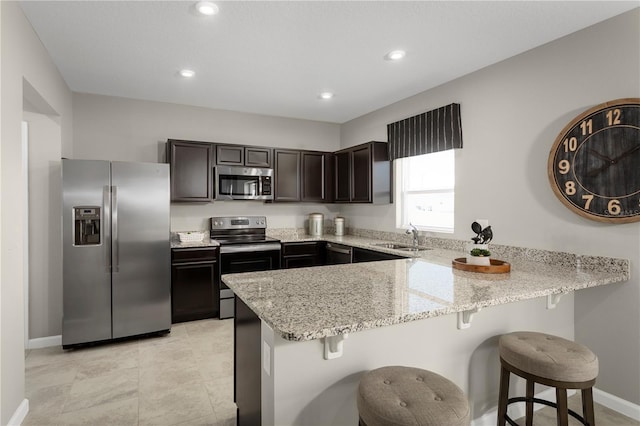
{"x": 608, "y": 400}
{"x": 620, "y": 405}
{"x": 45, "y": 342}
{"x": 517, "y": 410}
{"x": 20, "y": 414}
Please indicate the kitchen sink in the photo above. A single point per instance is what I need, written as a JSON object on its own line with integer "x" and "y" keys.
{"x": 402, "y": 247}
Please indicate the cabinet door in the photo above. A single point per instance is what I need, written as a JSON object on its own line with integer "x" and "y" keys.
{"x": 287, "y": 172}
{"x": 364, "y": 255}
{"x": 302, "y": 254}
{"x": 343, "y": 176}
{"x": 298, "y": 262}
{"x": 257, "y": 157}
{"x": 361, "y": 177}
{"x": 191, "y": 171}
{"x": 314, "y": 176}
{"x": 230, "y": 155}
{"x": 194, "y": 293}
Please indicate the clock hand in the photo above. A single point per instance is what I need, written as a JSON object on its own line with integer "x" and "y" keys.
{"x": 597, "y": 154}
{"x": 624, "y": 154}
{"x": 597, "y": 171}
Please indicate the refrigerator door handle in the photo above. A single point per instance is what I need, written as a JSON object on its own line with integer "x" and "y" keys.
{"x": 106, "y": 225}
{"x": 114, "y": 224}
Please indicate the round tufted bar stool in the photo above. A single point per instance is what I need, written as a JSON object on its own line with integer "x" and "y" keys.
{"x": 551, "y": 361}
{"x": 395, "y": 395}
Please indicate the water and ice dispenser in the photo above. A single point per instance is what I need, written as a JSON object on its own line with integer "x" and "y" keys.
{"x": 86, "y": 225}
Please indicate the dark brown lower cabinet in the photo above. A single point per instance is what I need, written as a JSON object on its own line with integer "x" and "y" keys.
{"x": 247, "y": 373}
{"x": 195, "y": 284}
{"x": 364, "y": 255}
{"x": 303, "y": 254}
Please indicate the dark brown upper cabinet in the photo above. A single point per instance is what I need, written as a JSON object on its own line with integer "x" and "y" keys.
{"x": 317, "y": 176}
{"x": 363, "y": 174}
{"x": 191, "y": 170}
{"x": 303, "y": 176}
{"x": 287, "y": 175}
{"x": 238, "y": 155}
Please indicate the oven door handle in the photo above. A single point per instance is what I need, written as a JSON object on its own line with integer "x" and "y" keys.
{"x": 243, "y": 248}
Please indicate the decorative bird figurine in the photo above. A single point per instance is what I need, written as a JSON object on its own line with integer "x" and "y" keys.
{"x": 486, "y": 235}
{"x": 483, "y": 235}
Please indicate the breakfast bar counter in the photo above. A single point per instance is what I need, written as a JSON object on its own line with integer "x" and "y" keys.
{"x": 321, "y": 328}
{"x": 312, "y": 303}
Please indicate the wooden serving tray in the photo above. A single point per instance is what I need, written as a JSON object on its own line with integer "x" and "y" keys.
{"x": 496, "y": 267}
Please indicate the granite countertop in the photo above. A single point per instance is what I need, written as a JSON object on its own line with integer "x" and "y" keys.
{"x": 205, "y": 242}
{"x": 300, "y": 304}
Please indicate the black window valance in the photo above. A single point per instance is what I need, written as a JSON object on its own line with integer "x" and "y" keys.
{"x": 432, "y": 131}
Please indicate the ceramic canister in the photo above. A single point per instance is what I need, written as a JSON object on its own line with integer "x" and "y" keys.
{"x": 339, "y": 225}
{"x": 316, "y": 224}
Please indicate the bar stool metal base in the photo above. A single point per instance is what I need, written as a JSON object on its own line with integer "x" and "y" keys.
{"x": 561, "y": 407}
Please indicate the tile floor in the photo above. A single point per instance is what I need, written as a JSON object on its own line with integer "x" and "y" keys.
{"x": 184, "y": 378}
{"x": 604, "y": 416}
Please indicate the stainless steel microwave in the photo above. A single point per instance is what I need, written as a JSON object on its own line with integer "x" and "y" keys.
{"x": 243, "y": 183}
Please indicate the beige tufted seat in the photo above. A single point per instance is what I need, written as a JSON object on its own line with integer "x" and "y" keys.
{"x": 552, "y": 361}
{"x": 396, "y": 395}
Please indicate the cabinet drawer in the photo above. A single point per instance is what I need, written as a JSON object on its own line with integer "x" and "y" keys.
{"x": 293, "y": 249}
{"x": 194, "y": 255}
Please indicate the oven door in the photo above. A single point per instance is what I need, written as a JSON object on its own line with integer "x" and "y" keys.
{"x": 238, "y": 258}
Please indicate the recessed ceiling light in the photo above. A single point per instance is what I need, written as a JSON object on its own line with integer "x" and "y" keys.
{"x": 326, "y": 95}
{"x": 187, "y": 73}
{"x": 395, "y": 55}
{"x": 207, "y": 8}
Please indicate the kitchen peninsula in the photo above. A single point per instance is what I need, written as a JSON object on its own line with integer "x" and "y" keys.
{"x": 308, "y": 334}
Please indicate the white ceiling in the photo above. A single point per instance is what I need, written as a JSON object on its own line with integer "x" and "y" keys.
{"x": 275, "y": 58}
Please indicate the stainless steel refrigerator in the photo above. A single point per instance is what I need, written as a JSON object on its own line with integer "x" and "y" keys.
{"x": 116, "y": 250}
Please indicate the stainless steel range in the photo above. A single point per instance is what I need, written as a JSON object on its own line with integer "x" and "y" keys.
{"x": 244, "y": 247}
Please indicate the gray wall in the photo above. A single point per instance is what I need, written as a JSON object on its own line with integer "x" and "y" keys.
{"x": 27, "y": 77}
{"x": 511, "y": 115}
{"x": 45, "y": 227}
{"x": 113, "y": 128}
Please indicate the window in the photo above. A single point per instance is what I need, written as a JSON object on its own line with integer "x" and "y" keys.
{"x": 425, "y": 191}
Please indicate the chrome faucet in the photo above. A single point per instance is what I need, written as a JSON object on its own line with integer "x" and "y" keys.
{"x": 413, "y": 230}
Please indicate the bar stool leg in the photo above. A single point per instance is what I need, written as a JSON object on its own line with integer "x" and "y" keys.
{"x": 529, "y": 403}
{"x": 563, "y": 409}
{"x": 587, "y": 406}
{"x": 503, "y": 395}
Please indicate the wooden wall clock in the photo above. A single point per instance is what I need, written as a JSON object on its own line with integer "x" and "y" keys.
{"x": 594, "y": 164}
